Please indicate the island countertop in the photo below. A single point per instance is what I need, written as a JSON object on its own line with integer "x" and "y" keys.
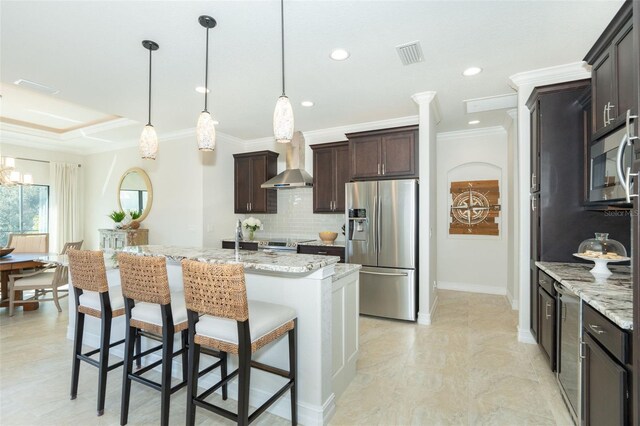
{"x": 291, "y": 263}
{"x": 611, "y": 296}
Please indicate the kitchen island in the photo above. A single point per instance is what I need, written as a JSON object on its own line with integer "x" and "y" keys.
{"x": 325, "y": 297}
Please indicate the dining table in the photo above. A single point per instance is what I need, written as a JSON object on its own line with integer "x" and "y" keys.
{"x": 14, "y": 262}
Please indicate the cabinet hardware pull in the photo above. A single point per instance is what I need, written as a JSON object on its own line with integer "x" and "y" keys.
{"x": 628, "y": 128}
{"x": 609, "y": 119}
{"x": 378, "y": 168}
{"x": 547, "y": 305}
{"x": 533, "y": 203}
{"x": 596, "y": 329}
{"x": 533, "y": 181}
{"x": 383, "y": 172}
{"x": 386, "y": 274}
{"x": 581, "y": 351}
{"x": 604, "y": 116}
{"x": 321, "y": 252}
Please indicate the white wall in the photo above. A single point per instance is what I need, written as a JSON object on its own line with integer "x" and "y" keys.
{"x": 177, "y": 179}
{"x": 513, "y": 289}
{"x": 39, "y": 170}
{"x": 472, "y": 262}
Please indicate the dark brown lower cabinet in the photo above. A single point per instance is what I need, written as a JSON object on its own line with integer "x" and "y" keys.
{"x": 605, "y": 387}
{"x": 323, "y": 250}
{"x": 547, "y": 325}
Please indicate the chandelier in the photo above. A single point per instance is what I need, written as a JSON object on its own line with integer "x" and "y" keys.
{"x": 9, "y": 176}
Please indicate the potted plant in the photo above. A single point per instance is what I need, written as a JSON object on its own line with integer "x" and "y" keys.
{"x": 252, "y": 225}
{"x": 117, "y": 217}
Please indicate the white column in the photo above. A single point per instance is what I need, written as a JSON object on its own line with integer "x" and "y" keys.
{"x": 429, "y": 116}
{"x": 524, "y": 83}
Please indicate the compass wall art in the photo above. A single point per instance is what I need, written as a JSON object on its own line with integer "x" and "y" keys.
{"x": 475, "y": 206}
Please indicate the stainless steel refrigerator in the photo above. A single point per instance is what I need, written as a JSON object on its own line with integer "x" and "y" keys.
{"x": 382, "y": 231}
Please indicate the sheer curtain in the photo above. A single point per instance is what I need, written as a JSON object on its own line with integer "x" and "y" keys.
{"x": 64, "y": 208}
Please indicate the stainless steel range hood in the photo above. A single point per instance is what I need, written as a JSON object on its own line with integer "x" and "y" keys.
{"x": 294, "y": 176}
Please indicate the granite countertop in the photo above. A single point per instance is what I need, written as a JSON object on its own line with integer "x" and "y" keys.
{"x": 336, "y": 243}
{"x": 344, "y": 269}
{"x": 611, "y": 296}
{"x": 291, "y": 263}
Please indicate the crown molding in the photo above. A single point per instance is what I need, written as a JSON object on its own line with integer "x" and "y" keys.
{"x": 426, "y": 98}
{"x": 510, "y": 118}
{"x": 567, "y": 72}
{"x": 468, "y": 133}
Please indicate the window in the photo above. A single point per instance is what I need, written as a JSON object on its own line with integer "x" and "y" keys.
{"x": 133, "y": 200}
{"x": 23, "y": 209}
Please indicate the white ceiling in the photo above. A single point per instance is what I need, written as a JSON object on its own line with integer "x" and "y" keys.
{"x": 91, "y": 51}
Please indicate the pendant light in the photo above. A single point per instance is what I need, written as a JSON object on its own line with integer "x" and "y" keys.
{"x": 149, "y": 138}
{"x": 283, "y": 114}
{"x": 206, "y": 130}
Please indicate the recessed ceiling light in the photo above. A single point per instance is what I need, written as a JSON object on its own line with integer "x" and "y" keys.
{"x": 472, "y": 71}
{"x": 201, "y": 89}
{"x": 339, "y": 54}
{"x": 474, "y": 122}
{"x": 306, "y": 103}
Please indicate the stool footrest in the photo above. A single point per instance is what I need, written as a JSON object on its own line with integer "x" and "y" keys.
{"x": 111, "y": 345}
{"x": 218, "y": 410}
{"x": 210, "y": 368}
{"x": 148, "y": 351}
{"x": 145, "y": 381}
{"x": 218, "y": 385}
{"x": 270, "y": 369}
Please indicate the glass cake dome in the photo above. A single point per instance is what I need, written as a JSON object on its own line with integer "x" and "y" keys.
{"x": 601, "y": 247}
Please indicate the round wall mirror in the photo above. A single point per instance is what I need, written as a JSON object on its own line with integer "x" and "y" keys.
{"x": 135, "y": 193}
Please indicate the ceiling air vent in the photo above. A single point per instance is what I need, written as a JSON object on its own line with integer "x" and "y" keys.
{"x": 28, "y": 84}
{"x": 410, "y": 53}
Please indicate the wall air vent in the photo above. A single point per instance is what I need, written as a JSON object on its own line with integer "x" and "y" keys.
{"x": 32, "y": 85}
{"x": 410, "y": 53}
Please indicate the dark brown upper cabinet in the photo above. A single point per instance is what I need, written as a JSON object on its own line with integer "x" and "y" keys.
{"x": 252, "y": 169}
{"x": 384, "y": 154}
{"x": 330, "y": 173}
{"x": 613, "y": 74}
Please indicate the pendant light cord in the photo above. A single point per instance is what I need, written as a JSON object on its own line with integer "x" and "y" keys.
{"x": 149, "y": 121}
{"x": 282, "y": 40}
{"x": 206, "y": 73}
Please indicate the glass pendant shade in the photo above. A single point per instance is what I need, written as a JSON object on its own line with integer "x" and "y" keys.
{"x": 149, "y": 143}
{"x": 283, "y": 120}
{"x": 206, "y": 132}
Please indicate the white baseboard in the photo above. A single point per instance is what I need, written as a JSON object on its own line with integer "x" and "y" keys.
{"x": 472, "y": 288}
{"x": 525, "y": 336}
{"x": 424, "y": 319}
{"x": 513, "y": 302}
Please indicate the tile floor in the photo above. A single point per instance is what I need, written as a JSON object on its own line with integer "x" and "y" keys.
{"x": 465, "y": 369}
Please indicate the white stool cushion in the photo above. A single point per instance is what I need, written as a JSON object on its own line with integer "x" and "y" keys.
{"x": 44, "y": 279}
{"x": 150, "y": 312}
{"x": 263, "y": 318}
{"x": 91, "y": 299}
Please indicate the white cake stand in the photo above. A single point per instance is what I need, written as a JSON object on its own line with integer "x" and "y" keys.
{"x": 601, "y": 268}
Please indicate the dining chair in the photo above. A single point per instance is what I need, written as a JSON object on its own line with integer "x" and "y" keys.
{"x": 29, "y": 243}
{"x": 47, "y": 279}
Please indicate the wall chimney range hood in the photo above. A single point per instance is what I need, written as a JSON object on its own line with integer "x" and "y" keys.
{"x": 294, "y": 176}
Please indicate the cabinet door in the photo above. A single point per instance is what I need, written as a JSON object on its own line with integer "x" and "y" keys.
{"x": 323, "y": 180}
{"x": 535, "y": 148}
{"x": 341, "y": 166}
{"x": 258, "y": 202}
{"x": 533, "y": 301}
{"x": 364, "y": 153}
{"x": 243, "y": 182}
{"x": 547, "y": 327}
{"x": 623, "y": 52}
{"x": 602, "y": 80}
{"x": 399, "y": 154}
{"x": 605, "y": 387}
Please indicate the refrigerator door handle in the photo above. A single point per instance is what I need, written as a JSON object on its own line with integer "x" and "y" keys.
{"x": 379, "y": 219}
{"x": 374, "y": 222}
{"x": 386, "y": 274}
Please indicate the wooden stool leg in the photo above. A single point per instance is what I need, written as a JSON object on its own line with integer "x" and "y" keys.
{"x": 127, "y": 368}
{"x": 244, "y": 376}
{"x": 167, "y": 360}
{"x": 138, "y": 349}
{"x": 103, "y": 368}
{"x": 184, "y": 338}
{"x": 192, "y": 379}
{"x": 77, "y": 350}
{"x": 293, "y": 367}
{"x": 223, "y": 374}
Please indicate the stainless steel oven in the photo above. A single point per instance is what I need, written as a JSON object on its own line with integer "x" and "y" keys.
{"x": 606, "y": 154}
{"x": 569, "y": 361}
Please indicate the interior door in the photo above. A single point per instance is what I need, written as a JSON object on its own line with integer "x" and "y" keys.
{"x": 397, "y": 223}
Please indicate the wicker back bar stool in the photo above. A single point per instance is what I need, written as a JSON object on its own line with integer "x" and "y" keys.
{"x": 221, "y": 317}
{"x": 92, "y": 297}
{"x": 152, "y": 311}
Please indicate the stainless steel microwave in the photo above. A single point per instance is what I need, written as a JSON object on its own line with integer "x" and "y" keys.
{"x": 605, "y": 182}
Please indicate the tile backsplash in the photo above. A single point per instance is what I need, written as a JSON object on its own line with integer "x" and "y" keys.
{"x": 295, "y": 217}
